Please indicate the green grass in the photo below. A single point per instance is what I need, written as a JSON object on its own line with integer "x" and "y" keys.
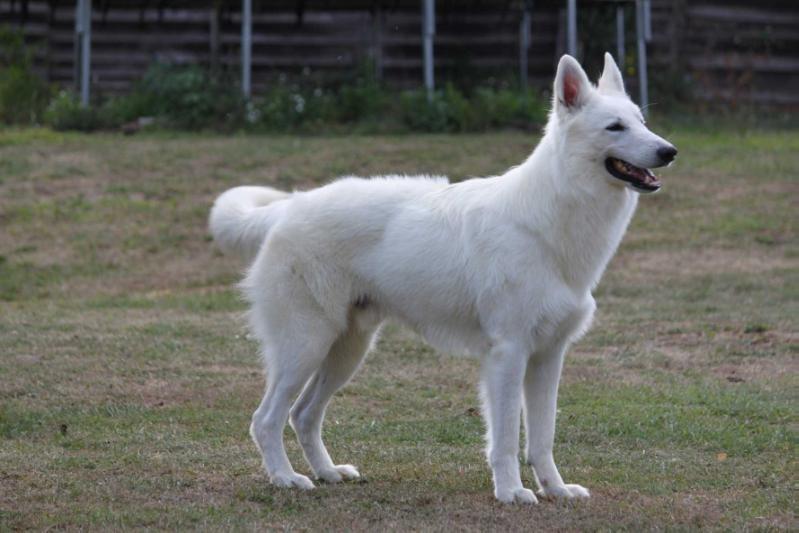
{"x": 127, "y": 378}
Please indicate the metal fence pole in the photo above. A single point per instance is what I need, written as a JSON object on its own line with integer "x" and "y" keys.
{"x": 620, "y": 52}
{"x": 428, "y": 31}
{"x": 246, "y": 47}
{"x": 640, "y": 24}
{"x": 86, "y": 51}
{"x": 77, "y": 44}
{"x": 571, "y": 32}
{"x": 524, "y": 43}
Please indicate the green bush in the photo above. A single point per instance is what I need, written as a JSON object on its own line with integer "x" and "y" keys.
{"x": 363, "y": 100}
{"x": 283, "y": 109}
{"x": 189, "y": 97}
{"x": 507, "y": 108}
{"x": 119, "y": 110}
{"x": 451, "y": 111}
{"x": 23, "y": 95}
{"x": 66, "y": 113}
{"x": 438, "y": 114}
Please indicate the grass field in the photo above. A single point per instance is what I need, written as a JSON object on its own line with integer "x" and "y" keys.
{"x": 127, "y": 379}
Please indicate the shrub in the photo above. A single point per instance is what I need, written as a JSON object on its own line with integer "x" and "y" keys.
{"x": 189, "y": 97}
{"x": 363, "y": 100}
{"x": 287, "y": 107}
{"x": 118, "y": 110}
{"x": 23, "y": 95}
{"x": 66, "y": 113}
{"x": 506, "y": 108}
{"x": 437, "y": 114}
{"x": 281, "y": 109}
{"x": 451, "y": 111}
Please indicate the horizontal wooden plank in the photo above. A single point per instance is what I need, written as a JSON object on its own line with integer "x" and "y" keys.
{"x": 35, "y": 9}
{"x": 764, "y": 97}
{"x": 202, "y": 16}
{"x": 478, "y": 62}
{"x": 148, "y": 40}
{"x": 702, "y": 14}
{"x": 463, "y": 17}
{"x": 464, "y": 40}
{"x": 749, "y": 63}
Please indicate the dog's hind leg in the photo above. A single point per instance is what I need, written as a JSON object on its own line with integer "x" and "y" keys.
{"x": 291, "y": 359}
{"x": 308, "y": 412}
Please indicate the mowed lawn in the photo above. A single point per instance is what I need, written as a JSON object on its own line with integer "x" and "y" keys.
{"x": 127, "y": 378}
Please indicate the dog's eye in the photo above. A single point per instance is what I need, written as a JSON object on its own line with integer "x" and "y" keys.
{"x": 616, "y": 126}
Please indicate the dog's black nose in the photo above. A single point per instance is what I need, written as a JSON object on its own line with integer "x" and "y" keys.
{"x": 667, "y": 154}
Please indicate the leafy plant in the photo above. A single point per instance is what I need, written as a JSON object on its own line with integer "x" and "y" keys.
{"x": 282, "y": 109}
{"x": 363, "y": 99}
{"x": 507, "y": 108}
{"x": 66, "y": 113}
{"x": 451, "y": 111}
{"x": 23, "y": 94}
{"x": 189, "y": 97}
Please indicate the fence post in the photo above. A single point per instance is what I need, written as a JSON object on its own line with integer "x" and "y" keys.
{"x": 620, "y": 52}
{"x": 524, "y": 42}
{"x": 83, "y": 48}
{"x": 640, "y": 27}
{"x": 571, "y": 31}
{"x": 246, "y": 47}
{"x": 76, "y": 45}
{"x": 428, "y": 31}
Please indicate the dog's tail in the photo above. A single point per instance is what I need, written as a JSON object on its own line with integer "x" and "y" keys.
{"x": 242, "y": 216}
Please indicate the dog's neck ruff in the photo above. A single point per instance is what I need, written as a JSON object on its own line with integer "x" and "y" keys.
{"x": 580, "y": 215}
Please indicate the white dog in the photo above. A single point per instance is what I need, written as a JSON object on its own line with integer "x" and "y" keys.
{"x": 501, "y": 268}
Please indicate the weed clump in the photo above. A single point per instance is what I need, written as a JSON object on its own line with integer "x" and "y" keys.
{"x": 23, "y": 94}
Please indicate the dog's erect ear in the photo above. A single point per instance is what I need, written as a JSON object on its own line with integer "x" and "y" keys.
{"x": 610, "y": 81}
{"x": 572, "y": 87}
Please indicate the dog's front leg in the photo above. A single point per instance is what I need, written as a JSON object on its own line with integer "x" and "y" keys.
{"x": 503, "y": 373}
{"x": 541, "y": 397}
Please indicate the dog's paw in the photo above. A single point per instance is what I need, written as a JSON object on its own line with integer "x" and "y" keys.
{"x": 565, "y": 492}
{"x": 348, "y": 472}
{"x": 578, "y": 491}
{"x": 339, "y": 473}
{"x": 292, "y": 480}
{"x": 521, "y": 495}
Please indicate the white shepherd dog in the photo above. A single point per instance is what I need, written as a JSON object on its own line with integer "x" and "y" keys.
{"x": 501, "y": 268}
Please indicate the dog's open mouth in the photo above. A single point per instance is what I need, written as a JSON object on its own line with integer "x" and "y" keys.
{"x": 642, "y": 179}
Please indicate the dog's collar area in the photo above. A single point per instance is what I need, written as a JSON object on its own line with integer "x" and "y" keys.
{"x": 641, "y": 179}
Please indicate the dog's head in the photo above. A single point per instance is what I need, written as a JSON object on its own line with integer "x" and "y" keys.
{"x": 604, "y": 126}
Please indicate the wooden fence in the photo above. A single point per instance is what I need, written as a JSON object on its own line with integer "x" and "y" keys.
{"x": 727, "y": 50}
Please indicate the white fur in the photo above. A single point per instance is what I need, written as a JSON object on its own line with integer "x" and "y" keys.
{"x": 501, "y": 268}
